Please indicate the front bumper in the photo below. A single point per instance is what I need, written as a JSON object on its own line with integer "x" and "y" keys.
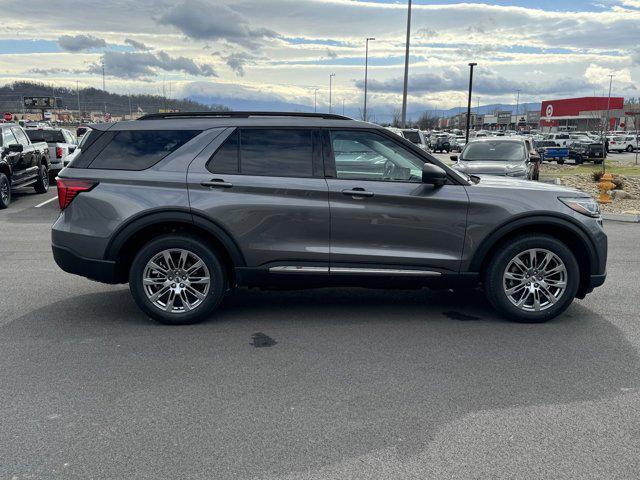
{"x": 99, "y": 270}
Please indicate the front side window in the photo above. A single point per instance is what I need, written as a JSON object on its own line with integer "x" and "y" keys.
{"x": 20, "y": 136}
{"x": 140, "y": 149}
{"x": 363, "y": 155}
{"x": 8, "y": 138}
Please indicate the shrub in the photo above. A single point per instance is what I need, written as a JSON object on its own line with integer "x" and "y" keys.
{"x": 618, "y": 182}
{"x": 597, "y": 175}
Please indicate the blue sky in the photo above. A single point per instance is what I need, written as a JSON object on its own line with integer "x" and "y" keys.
{"x": 284, "y": 50}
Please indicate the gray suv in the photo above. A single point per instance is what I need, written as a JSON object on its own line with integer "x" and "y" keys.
{"x": 185, "y": 207}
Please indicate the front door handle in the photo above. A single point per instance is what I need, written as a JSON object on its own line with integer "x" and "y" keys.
{"x": 217, "y": 182}
{"x": 358, "y": 192}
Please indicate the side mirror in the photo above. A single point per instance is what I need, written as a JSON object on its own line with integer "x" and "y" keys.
{"x": 16, "y": 148}
{"x": 454, "y": 158}
{"x": 433, "y": 175}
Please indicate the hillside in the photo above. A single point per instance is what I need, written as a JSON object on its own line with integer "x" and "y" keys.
{"x": 92, "y": 99}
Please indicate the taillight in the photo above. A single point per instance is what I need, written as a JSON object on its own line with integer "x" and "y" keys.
{"x": 68, "y": 189}
{"x": 58, "y": 152}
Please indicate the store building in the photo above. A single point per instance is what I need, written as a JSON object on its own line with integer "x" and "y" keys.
{"x": 581, "y": 114}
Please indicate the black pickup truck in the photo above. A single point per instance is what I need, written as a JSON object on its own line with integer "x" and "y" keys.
{"x": 586, "y": 150}
{"x": 22, "y": 163}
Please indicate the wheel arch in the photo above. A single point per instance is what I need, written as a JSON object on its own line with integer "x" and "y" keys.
{"x": 564, "y": 229}
{"x": 6, "y": 169}
{"x": 129, "y": 238}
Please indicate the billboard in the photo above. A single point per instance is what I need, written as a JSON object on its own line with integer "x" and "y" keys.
{"x": 39, "y": 102}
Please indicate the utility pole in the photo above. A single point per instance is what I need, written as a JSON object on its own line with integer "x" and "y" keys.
{"x": 471, "y": 65}
{"x": 130, "y": 111}
{"x": 331, "y": 75}
{"x": 366, "y": 71}
{"x": 608, "y": 123}
{"x": 518, "y": 110}
{"x": 78, "y": 93}
{"x": 104, "y": 87}
{"x": 403, "y": 121}
{"x": 315, "y": 100}
{"x": 343, "y": 107}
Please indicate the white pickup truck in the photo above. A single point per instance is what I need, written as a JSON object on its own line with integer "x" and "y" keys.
{"x": 61, "y": 144}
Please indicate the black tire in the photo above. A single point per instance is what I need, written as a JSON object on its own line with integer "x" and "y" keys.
{"x": 579, "y": 160}
{"x": 42, "y": 183}
{"x": 561, "y": 161}
{"x": 630, "y": 149}
{"x": 495, "y": 290}
{"x": 195, "y": 245}
{"x": 5, "y": 191}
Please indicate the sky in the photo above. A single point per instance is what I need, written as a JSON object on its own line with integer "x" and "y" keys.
{"x": 283, "y": 50}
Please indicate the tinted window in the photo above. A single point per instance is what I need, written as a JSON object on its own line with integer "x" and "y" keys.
{"x": 137, "y": 150}
{"x": 49, "y": 136}
{"x": 369, "y": 156}
{"x": 278, "y": 153}
{"x": 225, "y": 160}
{"x": 412, "y": 136}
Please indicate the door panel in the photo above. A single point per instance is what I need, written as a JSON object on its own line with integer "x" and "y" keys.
{"x": 381, "y": 212}
{"x": 401, "y": 224}
{"x": 273, "y": 219}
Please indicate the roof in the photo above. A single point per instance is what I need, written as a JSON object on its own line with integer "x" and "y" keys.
{"x": 208, "y": 120}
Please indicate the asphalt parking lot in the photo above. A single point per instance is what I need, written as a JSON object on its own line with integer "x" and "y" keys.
{"x": 357, "y": 384}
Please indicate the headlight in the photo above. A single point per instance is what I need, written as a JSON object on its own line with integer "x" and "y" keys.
{"x": 585, "y": 205}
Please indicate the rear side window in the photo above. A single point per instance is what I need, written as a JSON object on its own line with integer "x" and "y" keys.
{"x": 49, "y": 136}
{"x": 140, "y": 149}
{"x": 270, "y": 152}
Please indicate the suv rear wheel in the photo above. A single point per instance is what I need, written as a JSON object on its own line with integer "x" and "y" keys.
{"x": 5, "y": 191}
{"x": 533, "y": 279}
{"x": 177, "y": 279}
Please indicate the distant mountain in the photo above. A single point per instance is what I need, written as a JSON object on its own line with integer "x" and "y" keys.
{"x": 92, "y": 99}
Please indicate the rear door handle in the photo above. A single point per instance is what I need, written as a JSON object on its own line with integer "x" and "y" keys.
{"x": 217, "y": 182}
{"x": 358, "y": 192}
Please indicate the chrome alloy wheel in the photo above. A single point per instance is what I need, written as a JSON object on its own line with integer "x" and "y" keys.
{"x": 5, "y": 191}
{"x": 535, "y": 280}
{"x": 176, "y": 281}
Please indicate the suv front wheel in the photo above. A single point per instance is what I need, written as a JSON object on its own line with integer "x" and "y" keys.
{"x": 532, "y": 279}
{"x": 177, "y": 279}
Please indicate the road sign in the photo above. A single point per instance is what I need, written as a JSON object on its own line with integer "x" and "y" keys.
{"x": 39, "y": 102}
{"x": 8, "y": 117}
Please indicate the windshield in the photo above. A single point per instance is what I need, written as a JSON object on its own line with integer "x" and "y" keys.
{"x": 49, "y": 136}
{"x": 412, "y": 136}
{"x": 494, "y": 151}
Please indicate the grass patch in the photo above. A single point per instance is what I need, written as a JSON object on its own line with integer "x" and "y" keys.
{"x": 588, "y": 169}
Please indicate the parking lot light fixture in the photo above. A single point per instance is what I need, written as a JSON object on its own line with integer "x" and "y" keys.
{"x": 471, "y": 66}
{"x": 331, "y": 75}
{"x": 366, "y": 71}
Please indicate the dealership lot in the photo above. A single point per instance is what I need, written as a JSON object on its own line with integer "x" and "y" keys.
{"x": 359, "y": 383}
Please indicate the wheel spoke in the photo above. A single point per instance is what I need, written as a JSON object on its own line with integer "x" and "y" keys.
{"x": 515, "y": 289}
{"x": 536, "y": 300}
{"x": 153, "y": 265}
{"x": 520, "y": 264}
{"x": 170, "y": 300}
{"x": 159, "y": 293}
{"x": 198, "y": 280}
{"x": 518, "y": 277}
{"x": 547, "y": 293}
{"x": 185, "y": 301}
{"x": 154, "y": 281}
{"x": 194, "y": 268}
{"x": 168, "y": 260}
{"x": 195, "y": 292}
{"x": 183, "y": 259}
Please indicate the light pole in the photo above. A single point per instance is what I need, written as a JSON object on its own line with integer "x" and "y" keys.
{"x": 606, "y": 127}
{"x": 331, "y": 75}
{"x": 315, "y": 100}
{"x": 366, "y": 71}
{"x": 406, "y": 70}
{"x": 517, "y": 109}
{"x": 471, "y": 65}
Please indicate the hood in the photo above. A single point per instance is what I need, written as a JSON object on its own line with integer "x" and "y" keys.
{"x": 514, "y": 183}
{"x": 488, "y": 168}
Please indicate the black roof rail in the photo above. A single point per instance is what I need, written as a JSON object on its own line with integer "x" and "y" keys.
{"x": 178, "y": 115}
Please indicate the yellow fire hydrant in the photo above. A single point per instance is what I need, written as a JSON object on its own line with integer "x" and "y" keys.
{"x": 605, "y": 185}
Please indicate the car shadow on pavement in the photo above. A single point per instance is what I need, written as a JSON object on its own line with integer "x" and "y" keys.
{"x": 351, "y": 372}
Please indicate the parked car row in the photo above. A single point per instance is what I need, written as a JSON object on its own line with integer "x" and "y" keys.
{"x": 23, "y": 163}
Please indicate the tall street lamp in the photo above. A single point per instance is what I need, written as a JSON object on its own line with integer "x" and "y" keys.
{"x": 471, "y": 65}
{"x": 406, "y": 70}
{"x": 518, "y": 109}
{"x": 315, "y": 100}
{"x": 366, "y": 70}
{"x": 607, "y": 125}
{"x": 331, "y": 75}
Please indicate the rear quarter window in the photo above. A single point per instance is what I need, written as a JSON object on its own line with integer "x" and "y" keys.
{"x": 139, "y": 149}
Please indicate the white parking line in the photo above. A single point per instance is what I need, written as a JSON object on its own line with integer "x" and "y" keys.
{"x": 46, "y": 201}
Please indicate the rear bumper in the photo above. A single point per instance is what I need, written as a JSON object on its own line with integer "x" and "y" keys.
{"x": 99, "y": 270}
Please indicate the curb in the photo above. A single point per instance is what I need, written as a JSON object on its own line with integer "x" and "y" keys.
{"x": 621, "y": 217}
